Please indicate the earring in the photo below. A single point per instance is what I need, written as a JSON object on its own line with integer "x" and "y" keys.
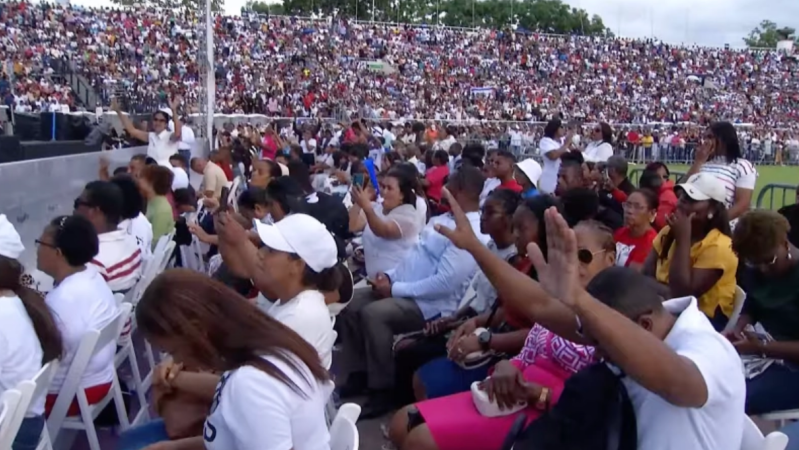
{"x": 710, "y": 216}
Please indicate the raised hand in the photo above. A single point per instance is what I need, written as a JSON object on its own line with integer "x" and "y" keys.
{"x": 463, "y": 235}
{"x": 559, "y": 273}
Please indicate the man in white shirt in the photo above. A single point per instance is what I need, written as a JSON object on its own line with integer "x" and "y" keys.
{"x": 429, "y": 282}
{"x": 685, "y": 381}
{"x": 119, "y": 260}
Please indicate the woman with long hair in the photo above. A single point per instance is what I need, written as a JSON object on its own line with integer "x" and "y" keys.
{"x": 600, "y": 148}
{"x": 29, "y": 337}
{"x": 693, "y": 254}
{"x": 272, "y": 390}
{"x": 634, "y": 239}
{"x": 553, "y": 145}
{"x": 719, "y": 154}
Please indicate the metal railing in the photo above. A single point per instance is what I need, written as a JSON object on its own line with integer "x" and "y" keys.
{"x": 765, "y": 200}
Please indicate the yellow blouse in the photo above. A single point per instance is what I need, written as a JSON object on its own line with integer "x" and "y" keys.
{"x": 712, "y": 252}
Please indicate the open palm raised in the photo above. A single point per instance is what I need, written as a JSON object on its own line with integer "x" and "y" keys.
{"x": 559, "y": 273}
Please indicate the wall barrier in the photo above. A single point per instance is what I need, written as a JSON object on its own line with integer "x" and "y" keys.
{"x": 34, "y": 192}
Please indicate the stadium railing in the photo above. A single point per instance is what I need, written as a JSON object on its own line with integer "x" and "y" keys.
{"x": 765, "y": 200}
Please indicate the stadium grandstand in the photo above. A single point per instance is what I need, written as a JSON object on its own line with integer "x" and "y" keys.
{"x": 337, "y": 235}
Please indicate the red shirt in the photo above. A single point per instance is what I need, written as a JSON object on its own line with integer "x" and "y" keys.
{"x": 667, "y": 203}
{"x": 435, "y": 176}
{"x": 512, "y": 185}
{"x": 228, "y": 171}
{"x": 630, "y": 249}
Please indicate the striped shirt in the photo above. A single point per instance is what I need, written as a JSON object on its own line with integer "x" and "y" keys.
{"x": 738, "y": 174}
{"x": 119, "y": 260}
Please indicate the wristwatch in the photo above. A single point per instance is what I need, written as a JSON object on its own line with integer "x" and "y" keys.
{"x": 484, "y": 339}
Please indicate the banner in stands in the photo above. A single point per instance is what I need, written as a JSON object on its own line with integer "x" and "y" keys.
{"x": 34, "y": 192}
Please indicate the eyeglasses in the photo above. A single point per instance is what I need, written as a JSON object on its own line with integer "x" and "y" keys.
{"x": 586, "y": 256}
{"x": 46, "y": 244}
{"x": 80, "y": 202}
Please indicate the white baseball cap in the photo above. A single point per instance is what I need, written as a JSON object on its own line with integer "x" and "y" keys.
{"x": 704, "y": 186}
{"x": 531, "y": 169}
{"x": 10, "y": 242}
{"x": 304, "y": 236}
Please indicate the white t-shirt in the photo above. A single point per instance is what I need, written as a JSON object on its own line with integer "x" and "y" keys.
{"x": 308, "y": 316}
{"x": 484, "y": 291}
{"x": 716, "y": 425}
{"x": 20, "y": 350}
{"x": 597, "y": 151}
{"x": 308, "y": 146}
{"x": 255, "y": 411}
{"x": 160, "y": 146}
{"x": 549, "y": 175}
{"x": 488, "y": 186}
{"x": 382, "y": 255}
{"x": 186, "y": 138}
{"x": 83, "y": 302}
{"x": 739, "y": 174}
{"x": 140, "y": 228}
{"x": 421, "y": 211}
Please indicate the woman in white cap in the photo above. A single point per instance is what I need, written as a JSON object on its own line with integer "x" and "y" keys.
{"x": 693, "y": 253}
{"x": 527, "y": 174}
{"x": 29, "y": 337}
{"x": 295, "y": 264}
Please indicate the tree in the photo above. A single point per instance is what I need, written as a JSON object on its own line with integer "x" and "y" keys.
{"x": 552, "y": 16}
{"x": 767, "y": 34}
{"x": 192, "y": 5}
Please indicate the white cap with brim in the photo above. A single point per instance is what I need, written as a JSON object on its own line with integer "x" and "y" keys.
{"x": 10, "y": 242}
{"x": 704, "y": 186}
{"x": 304, "y": 236}
{"x": 531, "y": 169}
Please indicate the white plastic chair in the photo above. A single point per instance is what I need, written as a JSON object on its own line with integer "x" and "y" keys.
{"x": 155, "y": 266}
{"x": 738, "y": 304}
{"x": 124, "y": 353}
{"x": 232, "y": 199}
{"x": 32, "y": 391}
{"x": 91, "y": 343}
{"x": 9, "y": 403}
{"x": 753, "y": 439}
{"x": 343, "y": 432}
{"x": 781, "y": 417}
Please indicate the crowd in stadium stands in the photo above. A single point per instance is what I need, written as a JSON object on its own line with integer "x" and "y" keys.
{"x": 293, "y": 67}
{"x": 502, "y": 297}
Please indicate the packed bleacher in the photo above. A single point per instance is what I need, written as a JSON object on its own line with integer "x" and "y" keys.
{"x": 334, "y": 67}
{"x": 467, "y": 298}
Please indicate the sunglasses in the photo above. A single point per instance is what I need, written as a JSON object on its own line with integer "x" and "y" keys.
{"x": 586, "y": 256}
{"x": 597, "y": 130}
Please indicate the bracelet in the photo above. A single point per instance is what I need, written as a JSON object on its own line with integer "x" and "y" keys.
{"x": 543, "y": 399}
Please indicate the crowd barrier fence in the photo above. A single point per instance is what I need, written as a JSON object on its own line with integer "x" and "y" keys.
{"x": 765, "y": 200}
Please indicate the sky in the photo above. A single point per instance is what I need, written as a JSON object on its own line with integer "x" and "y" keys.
{"x": 704, "y": 22}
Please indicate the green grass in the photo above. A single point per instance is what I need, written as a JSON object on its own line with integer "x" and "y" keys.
{"x": 774, "y": 198}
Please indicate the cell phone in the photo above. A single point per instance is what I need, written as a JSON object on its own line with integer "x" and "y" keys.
{"x": 358, "y": 179}
{"x": 223, "y": 199}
